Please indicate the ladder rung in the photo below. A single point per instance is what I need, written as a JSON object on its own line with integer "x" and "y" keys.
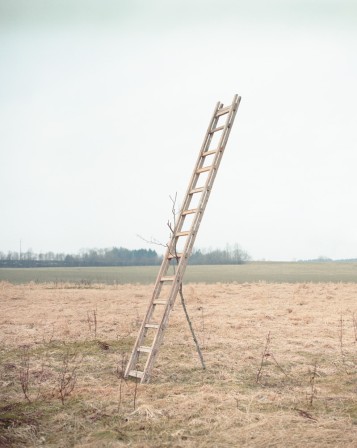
{"x": 204, "y": 169}
{"x": 178, "y": 255}
{"x": 208, "y": 153}
{"x": 152, "y": 325}
{"x": 223, "y": 111}
{"x": 197, "y": 190}
{"x": 182, "y": 233}
{"x": 217, "y": 129}
{"x": 168, "y": 278}
{"x": 160, "y": 302}
{"x": 190, "y": 211}
{"x": 144, "y": 349}
{"x": 136, "y": 373}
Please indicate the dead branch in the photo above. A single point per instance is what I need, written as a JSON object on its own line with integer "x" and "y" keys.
{"x": 24, "y": 374}
{"x": 191, "y": 327}
{"x": 265, "y": 354}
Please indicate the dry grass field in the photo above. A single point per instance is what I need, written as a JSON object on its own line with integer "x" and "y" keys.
{"x": 281, "y": 367}
{"x": 281, "y": 272}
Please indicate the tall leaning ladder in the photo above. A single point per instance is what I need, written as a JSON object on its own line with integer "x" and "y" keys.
{"x": 179, "y": 247}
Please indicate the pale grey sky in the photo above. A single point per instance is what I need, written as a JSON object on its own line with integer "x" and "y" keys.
{"x": 104, "y": 105}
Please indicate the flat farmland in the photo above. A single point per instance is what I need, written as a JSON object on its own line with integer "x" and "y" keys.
{"x": 281, "y": 366}
{"x": 250, "y": 272}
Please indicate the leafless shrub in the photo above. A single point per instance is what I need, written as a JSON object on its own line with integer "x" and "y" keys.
{"x": 311, "y": 395}
{"x": 119, "y": 371}
{"x": 121, "y": 365}
{"x": 67, "y": 378}
{"x": 265, "y": 354}
{"x": 343, "y": 352}
{"x": 31, "y": 379}
{"x": 92, "y": 322}
{"x": 340, "y": 337}
{"x": 136, "y": 385}
{"x": 278, "y": 365}
{"x": 348, "y": 362}
{"x": 203, "y": 328}
{"x": 354, "y": 324}
{"x": 191, "y": 328}
{"x": 24, "y": 373}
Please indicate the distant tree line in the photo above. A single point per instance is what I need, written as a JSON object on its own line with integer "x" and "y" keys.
{"x": 117, "y": 256}
{"x": 326, "y": 259}
{"x": 229, "y": 255}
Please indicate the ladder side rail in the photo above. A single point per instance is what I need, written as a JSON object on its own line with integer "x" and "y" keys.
{"x": 194, "y": 178}
{"x": 149, "y": 311}
{"x": 165, "y": 318}
{"x": 212, "y": 174}
{"x": 215, "y": 166}
{"x": 211, "y": 177}
{"x": 164, "y": 322}
{"x": 138, "y": 342}
{"x": 160, "y": 333}
{"x": 223, "y": 140}
{"x": 229, "y": 123}
{"x": 192, "y": 183}
{"x": 218, "y": 157}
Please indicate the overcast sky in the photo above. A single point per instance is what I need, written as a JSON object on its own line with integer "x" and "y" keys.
{"x": 104, "y": 105}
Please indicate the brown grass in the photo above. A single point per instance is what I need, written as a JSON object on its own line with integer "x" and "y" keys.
{"x": 300, "y": 338}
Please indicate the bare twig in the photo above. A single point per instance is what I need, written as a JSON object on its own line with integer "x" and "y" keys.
{"x": 171, "y": 227}
{"x": 31, "y": 380}
{"x": 354, "y": 324}
{"x": 278, "y": 365}
{"x": 340, "y": 336}
{"x": 136, "y": 383}
{"x": 67, "y": 376}
{"x": 203, "y": 329}
{"x": 191, "y": 327}
{"x": 41, "y": 374}
{"x": 152, "y": 241}
{"x": 173, "y": 212}
{"x": 313, "y": 390}
{"x": 24, "y": 374}
{"x": 305, "y": 414}
{"x": 265, "y": 354}
{"x": 92, "y": 322}
{"x": 120, "y": 370}
{"x": 95, "y": 323}
{"x": 268, "y": 354}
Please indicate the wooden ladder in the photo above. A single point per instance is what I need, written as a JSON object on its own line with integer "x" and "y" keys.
{"x": 179, "y": 247}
